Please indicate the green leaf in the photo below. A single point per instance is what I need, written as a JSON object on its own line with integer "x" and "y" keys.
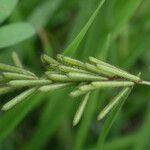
{"x": 112, "y": 116}
{"x": 14, "y": 33}
{"x": 70, "y": 50}
{"x": 6, "y": 7}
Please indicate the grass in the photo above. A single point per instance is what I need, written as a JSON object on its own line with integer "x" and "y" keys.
{"x": 106, "y": 30}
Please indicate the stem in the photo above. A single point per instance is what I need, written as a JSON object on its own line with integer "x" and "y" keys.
{"x": 145, "y": 83}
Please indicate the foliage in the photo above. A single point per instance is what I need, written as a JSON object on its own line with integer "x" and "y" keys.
{"x": 114, "y": 31}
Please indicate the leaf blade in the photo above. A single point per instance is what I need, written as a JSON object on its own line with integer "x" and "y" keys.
{"x": 15, "y": 33}
{"x": 74, "y": 45}
{"x": 6, "y": 7}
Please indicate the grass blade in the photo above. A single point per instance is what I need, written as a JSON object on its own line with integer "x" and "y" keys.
{"x": 70, "y": 50}
{"x": 15, "y": 33}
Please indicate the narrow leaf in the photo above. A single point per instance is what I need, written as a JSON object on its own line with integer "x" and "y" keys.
{"x": 70, "y": 50}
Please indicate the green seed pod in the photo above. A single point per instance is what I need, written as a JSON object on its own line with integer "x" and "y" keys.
{"x": 119, "y": 72}
{"x": 58, "y": 77}
{"x": 17, "y": 76}
{"x": 80, "y": 110}
{"x": 71, "y": 69}
{"x": 94, "y": 69}
{"x": 48, "y": 60}
{"x": 70, "y": 61}
{"x": 76, "y": 93}
{"x": 97, "y": 61}
{"x": 113, "y": 103}
{"x": 9, "y": 68}
{"x": 84, "y": 77}
{"x": 54, "y": 86}
{"x": 16, "y": 60}
{"x": 86, "y": 88}
{"x": 5, "y": 89}
{"x": 24, "y": 83}
{"x": 103, "y": 84}
{"x": 18, "y": 99}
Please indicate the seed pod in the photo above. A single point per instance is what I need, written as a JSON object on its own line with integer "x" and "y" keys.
{"x": 58, "y": 77}
{"x": 86, "y": 88}
{"x": 70, "y": 61}
{"x": 119, "y": 72}
{"x": 103, "y": 84}
{"x": 48, "y": 60}
{"x": 97, "y": 61}
{"x": 17, "y": 76}
{"x": 76, "y": 93}
{"x": 54, "y": 86}
{"x": 16, "y": 60}
{"x": 84, "y": 77}
{"x": 18, "y": 99}
{"x": 113, "y": 103}
{"x": 24, "y": 83}
{"x": 71, "y": 69}
{"x": 9, "y": 68}
{"x": 80, "y": 110}
{"x": 94, "y": 69}
{"x": 5, "y": 89}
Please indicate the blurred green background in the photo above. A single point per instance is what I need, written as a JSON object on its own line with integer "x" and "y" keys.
{"x": 119, "y": 35}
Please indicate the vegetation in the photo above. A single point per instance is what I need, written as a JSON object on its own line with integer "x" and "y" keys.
{"x": 38, "y": 108}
